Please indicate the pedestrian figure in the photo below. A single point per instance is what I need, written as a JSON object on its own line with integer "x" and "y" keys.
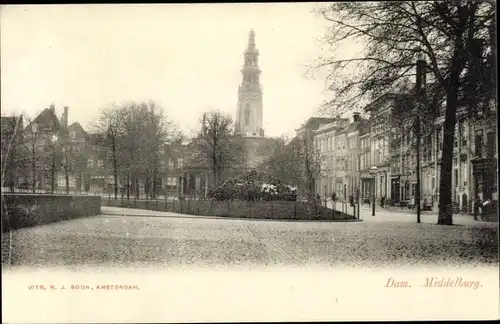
{"x": 477, "y": 207}
{"x": 351, "y": 200}
{"x": 382, "y": 201}
{"x": 485, "y": 208}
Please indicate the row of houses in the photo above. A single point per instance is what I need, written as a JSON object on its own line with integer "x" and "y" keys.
{"x": 44, "y": 154}
{"x": 349, "y": 149}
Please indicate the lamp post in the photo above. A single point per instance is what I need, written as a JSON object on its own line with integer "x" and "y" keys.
{"x": 54, "y": 140}
{"x": 373, "y": 171}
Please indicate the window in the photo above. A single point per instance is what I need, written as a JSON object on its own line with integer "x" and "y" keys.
{"x": 490, "y": 145}
{"x": 196, "y": 155}
{"x": 479, "y": 143}
{"x": 72, "y": 134}
{"x": 464, "y": 174}
{"x": 34, "y": 128}
{"x": 247, "y": 113}
{"x": 171, "y": 182}
{"x": 463, "y": 133}
{"x": 90, "y": 163}
{"x": 170, "y": 164}
{"x": 428, "y": 147}
{"x": 100, "y": 163}
{"x": 180, "y": 162}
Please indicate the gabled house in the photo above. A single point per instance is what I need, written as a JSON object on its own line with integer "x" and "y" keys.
{"x": 41, "y": 137}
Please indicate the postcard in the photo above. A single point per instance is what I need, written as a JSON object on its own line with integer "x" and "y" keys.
{"x": 249, "y": 162}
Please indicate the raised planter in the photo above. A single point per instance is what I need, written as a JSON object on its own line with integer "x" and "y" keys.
{"x": 25, "y": 210}
{"x": 282, "y": 210}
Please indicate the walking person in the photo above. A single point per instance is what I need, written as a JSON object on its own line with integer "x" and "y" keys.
{"x": 351, "y": 200}
{"x": 477, "y": 207}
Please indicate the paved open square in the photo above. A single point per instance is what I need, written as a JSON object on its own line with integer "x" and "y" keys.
{"x": 131, "y": 237}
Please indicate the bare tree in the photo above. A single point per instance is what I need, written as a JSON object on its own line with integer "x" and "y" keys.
{"x": 12, "y": 150}
{"x": 136, "y": 134}
{"x": 285, "y": 162}
{"x": 158, "y": 130}
{"x": 67, "y": 158}
{"x": 109, "y": 124}
{"x": 295, "y": 162}
{"x": 32, "y": 137}
{"x": 218, "y": 147}
{"x": 394, "y": 34}
{"x": 311, "y": 163}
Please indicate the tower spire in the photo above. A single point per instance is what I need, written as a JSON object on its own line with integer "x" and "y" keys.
{"x": 251, "y": 39}
{"x": 249, "y": 111}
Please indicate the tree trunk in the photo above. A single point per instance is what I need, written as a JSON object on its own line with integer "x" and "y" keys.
{"x": 137, "y": 191}
{"x": 445, "y": 216}
{"x": 128, "y": 186}
{"x": 33, "y": 169}
{"x": 215, "y": 176}
{"x": 115, "y": 171}
{"x": 66, "y": 176}
{"x": 154, "y": 183}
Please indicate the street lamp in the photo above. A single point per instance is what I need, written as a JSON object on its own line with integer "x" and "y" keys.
{"x": 373, "y": 170}
{"x": 54, "y": 140}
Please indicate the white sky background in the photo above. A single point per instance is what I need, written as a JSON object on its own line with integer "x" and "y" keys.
{"x": 187, "y": 58}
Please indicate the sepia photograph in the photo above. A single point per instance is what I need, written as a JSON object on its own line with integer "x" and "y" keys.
{"x": 330, "y": 161}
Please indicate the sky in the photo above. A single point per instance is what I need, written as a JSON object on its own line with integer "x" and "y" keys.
{"x": 187, "y": 58}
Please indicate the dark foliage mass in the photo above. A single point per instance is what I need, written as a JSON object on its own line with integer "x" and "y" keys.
{"x": 253, "y": 186}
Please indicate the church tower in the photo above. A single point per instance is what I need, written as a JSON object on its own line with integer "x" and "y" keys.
{"x": 249, "y": 110}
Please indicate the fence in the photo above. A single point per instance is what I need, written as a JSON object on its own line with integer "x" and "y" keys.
{"x": 238, "y": 208}
{"x": 62, "y": 191}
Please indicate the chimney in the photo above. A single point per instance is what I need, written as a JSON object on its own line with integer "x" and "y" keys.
{"x": 65, "y": 117}
{"x": 52, "y": 108}
{"x": 356, "y": 117}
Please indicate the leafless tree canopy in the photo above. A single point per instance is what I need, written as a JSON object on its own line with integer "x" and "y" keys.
{"x": 394, "y": 34}
{"x": 294, "y": 162}
{"x": 136, "y": 134}
{"x": 219, "y": 149}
